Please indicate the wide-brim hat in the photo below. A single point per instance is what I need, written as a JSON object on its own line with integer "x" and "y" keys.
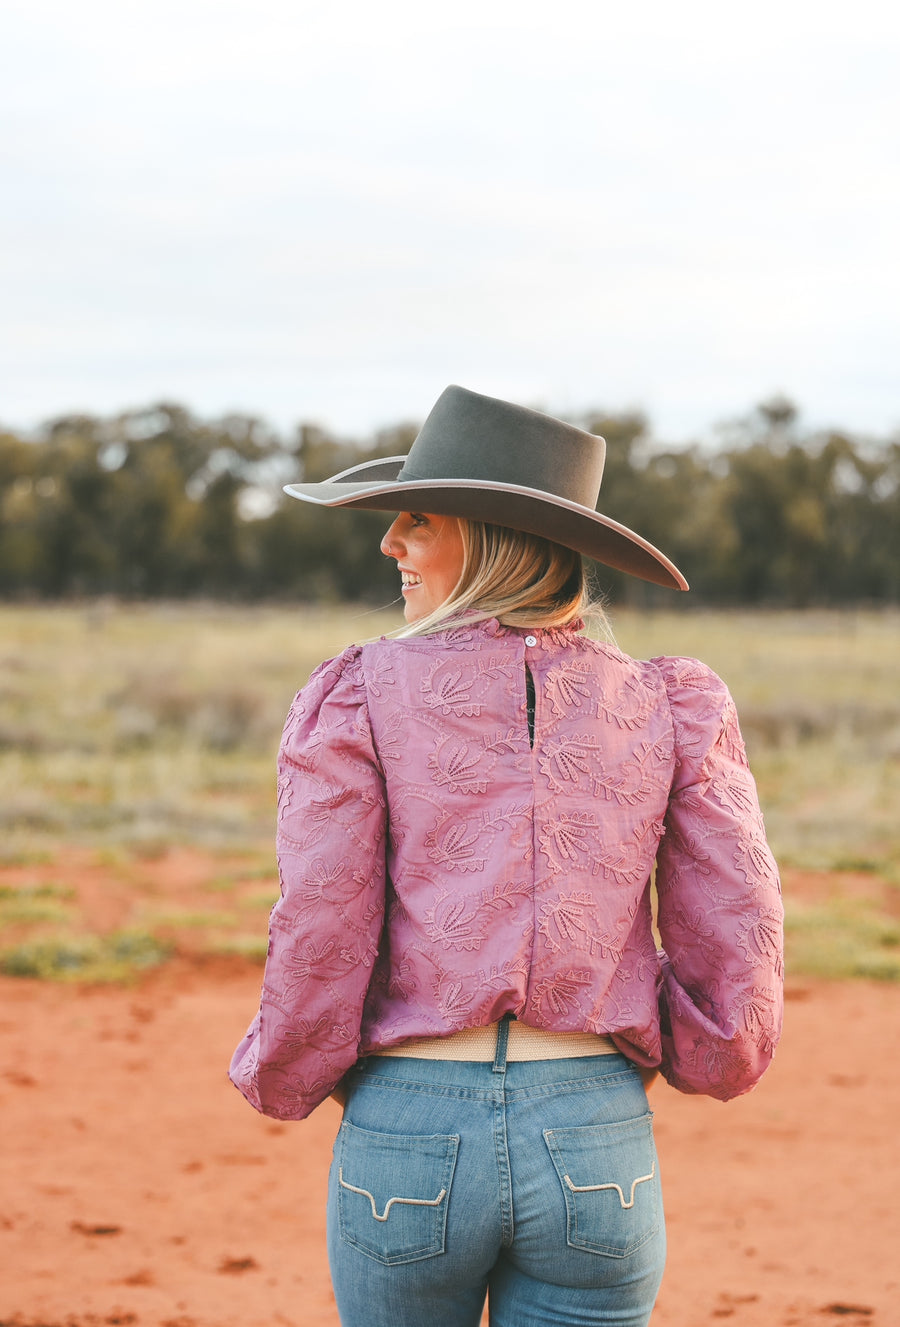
{"x": 488, "y": 460}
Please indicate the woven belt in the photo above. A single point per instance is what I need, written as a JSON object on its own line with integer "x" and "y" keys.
{"x": 525, "y": 1043}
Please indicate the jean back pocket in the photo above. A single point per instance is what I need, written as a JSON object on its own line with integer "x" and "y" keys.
{"x": 393, "y": 1192}
{"x": 608, "y": 1174}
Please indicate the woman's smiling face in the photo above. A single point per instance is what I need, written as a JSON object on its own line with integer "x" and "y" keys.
{"x": 429, "y": 554}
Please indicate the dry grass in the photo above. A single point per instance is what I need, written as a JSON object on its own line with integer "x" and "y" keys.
{"x": 819, "y": 700}
{"x": 130, "y": 730}
{"x": 148, "y": 726}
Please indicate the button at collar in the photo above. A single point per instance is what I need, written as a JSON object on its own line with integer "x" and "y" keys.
{"x": 531, "y": 640}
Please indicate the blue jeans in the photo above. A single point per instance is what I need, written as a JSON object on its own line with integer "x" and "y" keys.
{"x": 534, "y": 1182}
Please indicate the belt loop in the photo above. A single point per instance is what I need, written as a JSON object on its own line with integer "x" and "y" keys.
{"x": 499, "y": 1065}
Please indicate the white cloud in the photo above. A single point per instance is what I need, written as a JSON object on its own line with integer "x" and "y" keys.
{"x": 330, "y": 212}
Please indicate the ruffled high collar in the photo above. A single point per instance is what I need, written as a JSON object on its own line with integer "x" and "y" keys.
{"x": 495, "y": 630}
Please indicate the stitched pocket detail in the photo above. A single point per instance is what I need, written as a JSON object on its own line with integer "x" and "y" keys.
{"x": 394, "y": 1191}
{"x": 610, "y": 1182}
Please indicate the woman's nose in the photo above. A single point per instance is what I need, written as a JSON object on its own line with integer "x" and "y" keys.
{"x": 388, "y": 544}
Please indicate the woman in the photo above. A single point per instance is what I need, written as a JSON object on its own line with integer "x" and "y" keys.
{"x": 469, "y": 818}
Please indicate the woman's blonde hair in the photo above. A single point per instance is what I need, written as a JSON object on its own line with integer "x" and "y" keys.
{"x": 520, "y": 579}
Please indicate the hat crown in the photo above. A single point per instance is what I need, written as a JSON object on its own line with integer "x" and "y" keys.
{"x": 480, "y": 438}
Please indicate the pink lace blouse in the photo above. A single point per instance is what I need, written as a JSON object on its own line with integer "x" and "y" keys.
{"x": 440, "y": 869}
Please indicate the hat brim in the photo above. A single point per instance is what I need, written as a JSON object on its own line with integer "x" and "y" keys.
{"x": 374, "y": 486}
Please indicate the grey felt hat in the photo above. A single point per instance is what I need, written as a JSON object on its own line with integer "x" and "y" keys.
{"x": 489, "y": 460}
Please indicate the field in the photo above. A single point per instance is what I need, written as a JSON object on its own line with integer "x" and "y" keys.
{"x": 127, "y": 732}
{"x": 136, "y": 871}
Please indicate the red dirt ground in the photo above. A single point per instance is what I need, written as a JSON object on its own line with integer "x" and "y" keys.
{"x": 138, "y": 1187}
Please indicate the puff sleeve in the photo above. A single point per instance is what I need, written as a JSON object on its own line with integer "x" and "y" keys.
{"x": 324, "y": 929}
{"x": 720, "y": 907}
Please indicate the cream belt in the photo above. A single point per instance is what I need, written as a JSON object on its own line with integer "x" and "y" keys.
{"x": 525, "y": 1043}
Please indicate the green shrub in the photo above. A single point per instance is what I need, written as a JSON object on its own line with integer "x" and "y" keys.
{"x": 91, "y": 958}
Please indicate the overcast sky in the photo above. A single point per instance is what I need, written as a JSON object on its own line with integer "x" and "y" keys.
{"x": 330, "y": 211}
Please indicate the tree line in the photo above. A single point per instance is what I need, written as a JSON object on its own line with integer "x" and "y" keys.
{"x": 158, "y": 503}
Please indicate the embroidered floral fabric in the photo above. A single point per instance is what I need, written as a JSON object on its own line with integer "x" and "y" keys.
{"x": 439, "y": 871}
